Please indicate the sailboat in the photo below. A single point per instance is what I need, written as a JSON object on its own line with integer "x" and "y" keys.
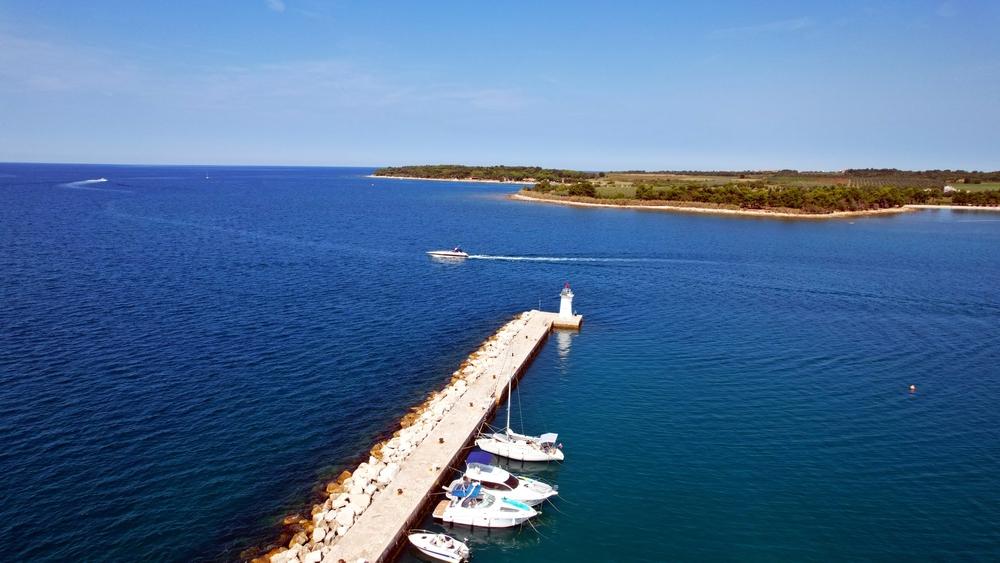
{"x": 521, "y": 447}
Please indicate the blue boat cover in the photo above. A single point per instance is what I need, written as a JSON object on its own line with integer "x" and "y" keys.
{"x": 484, "y": 458}
{"x": 462, "y": 491}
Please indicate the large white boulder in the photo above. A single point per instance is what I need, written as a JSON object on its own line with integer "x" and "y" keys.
{"x": 338, "y": 502}
{"x": 388, "y": 474}
{"x": 345, "y": 517}
{"x": 313, "y": 557}
{"x": 363, "y": 501}
{"x": 319, "y": 532}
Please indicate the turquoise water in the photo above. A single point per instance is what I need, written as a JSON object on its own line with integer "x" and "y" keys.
{"x": 185, "y": 353}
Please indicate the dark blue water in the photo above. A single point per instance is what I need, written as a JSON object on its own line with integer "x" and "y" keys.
{"x": 185, "y": 353}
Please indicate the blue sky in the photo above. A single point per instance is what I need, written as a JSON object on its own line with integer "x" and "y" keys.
{"x": 592, "y": 85}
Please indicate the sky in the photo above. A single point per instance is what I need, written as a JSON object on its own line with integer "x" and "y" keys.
{"x": 658, "y": 85}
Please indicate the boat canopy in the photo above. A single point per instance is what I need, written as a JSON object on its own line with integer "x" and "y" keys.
{"x": 484, "y": 458}
{"x": 466, "y": 491}
{"x": 548, "y": 438}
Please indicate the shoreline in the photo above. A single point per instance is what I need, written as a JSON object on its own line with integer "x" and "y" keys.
{"x": 717, "y": 210}
{"x": 514, "y": 182}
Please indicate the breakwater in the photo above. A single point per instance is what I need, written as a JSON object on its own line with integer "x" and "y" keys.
{"x": 367, "y": 511}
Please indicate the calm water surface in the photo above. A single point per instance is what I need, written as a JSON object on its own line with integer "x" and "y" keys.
{"x": 186, "y": 352}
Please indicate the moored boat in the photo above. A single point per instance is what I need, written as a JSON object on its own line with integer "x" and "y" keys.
{"x": 501, "y": 482}
{"x": 469, "y": 504}
{"x": 439, "y": 547}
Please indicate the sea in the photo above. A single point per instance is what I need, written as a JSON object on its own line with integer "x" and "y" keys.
{"x": 188, "y": 353}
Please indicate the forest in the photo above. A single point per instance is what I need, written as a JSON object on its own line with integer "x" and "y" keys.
{"x": 495, "y": 173}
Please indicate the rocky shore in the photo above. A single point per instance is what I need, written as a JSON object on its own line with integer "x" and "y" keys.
{"x": 353, "y": 492}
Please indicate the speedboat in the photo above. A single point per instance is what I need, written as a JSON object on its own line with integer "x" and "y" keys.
{"x": 502, "y": 483}
{"x": 468, "y": 503}
{"x": 511, "y": 445}
{"x": 456, "y": 252}
{"x": 439, "y": 547}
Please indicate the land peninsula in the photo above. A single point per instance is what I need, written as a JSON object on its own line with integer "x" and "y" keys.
{"x": 750, "y": 192}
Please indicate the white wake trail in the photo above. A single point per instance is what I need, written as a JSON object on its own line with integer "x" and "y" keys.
{"x": 556, "y": 258}
{"x": 89, "y": 185}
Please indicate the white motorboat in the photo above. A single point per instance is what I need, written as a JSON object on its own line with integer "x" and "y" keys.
{"x": 456, "y": 252}
{"x": 439, "y": 547}
{"x": 500, "y": 482}
{"x": 468, "y": 503}
{"x": 521, "y": 447}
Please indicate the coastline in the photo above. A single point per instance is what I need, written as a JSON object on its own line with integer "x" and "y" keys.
{"x": 453, "y": 180}
{"x": 719, "y": 211}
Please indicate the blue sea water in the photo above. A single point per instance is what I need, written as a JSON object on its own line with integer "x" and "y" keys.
{"x": 186, "y": 353}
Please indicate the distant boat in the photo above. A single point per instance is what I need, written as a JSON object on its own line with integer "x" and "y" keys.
{"x": 439, "y": 547}
{"x": 456, "y": 252}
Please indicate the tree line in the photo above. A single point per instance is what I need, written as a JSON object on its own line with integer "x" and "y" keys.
{"x": 496, "y": 173}
{"x": 814, "y": 199}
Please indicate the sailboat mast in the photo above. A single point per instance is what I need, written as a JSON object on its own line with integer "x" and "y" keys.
{"x": 508, "y": 399}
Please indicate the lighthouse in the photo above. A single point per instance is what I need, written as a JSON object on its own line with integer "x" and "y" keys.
{"x": 566, "y": 302}
{"x": 566, "y": 318}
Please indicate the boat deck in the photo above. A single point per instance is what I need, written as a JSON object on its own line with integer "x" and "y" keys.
{"x": 439, "y": 509}
{"x": 381, "y": 528}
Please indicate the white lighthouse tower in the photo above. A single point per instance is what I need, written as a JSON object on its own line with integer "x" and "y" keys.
{"x": 566, "y": 302}
{"x": 566, "y": 318}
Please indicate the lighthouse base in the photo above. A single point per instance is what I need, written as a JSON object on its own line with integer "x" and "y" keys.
{"x": 573, "y": 321}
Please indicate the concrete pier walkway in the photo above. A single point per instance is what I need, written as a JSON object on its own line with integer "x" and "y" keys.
{"x": 381, "y": 529}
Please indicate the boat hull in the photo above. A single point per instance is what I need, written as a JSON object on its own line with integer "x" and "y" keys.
{"x": 516, "y": 450}
{"x": 429, "y": 545}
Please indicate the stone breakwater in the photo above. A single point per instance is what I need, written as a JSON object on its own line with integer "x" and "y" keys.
{"x": 474, "y": 389}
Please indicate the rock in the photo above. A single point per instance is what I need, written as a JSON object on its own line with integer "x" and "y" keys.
{"x": 345, "y": 518}
{"x": 283, "y": 556}
{"x": 363, "y": 501}
{"x": 318, "y": 534}
{"x": 357, "y": 489}
{"x": 298, "y": 539}
{"x": 342, "y": 531}
{"x": 358, "y": 509}
{"x": 319, "y": 517}
{"x": 313, "y": 557}
{"x": 369, "y": 490}
{"x": 340, "y": 502}
{"x": 388, "y": 474}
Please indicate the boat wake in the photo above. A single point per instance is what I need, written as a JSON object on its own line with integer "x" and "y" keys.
{"x": 90, "y": 185}
{"x": 562, "y": 258}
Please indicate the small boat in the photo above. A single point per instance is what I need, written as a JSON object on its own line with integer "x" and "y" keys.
{"x": 439, "y": 547}
{"x": 456, "y": 252}
{"x": 468, "y": 503}
{"x": 498, "y": 481}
